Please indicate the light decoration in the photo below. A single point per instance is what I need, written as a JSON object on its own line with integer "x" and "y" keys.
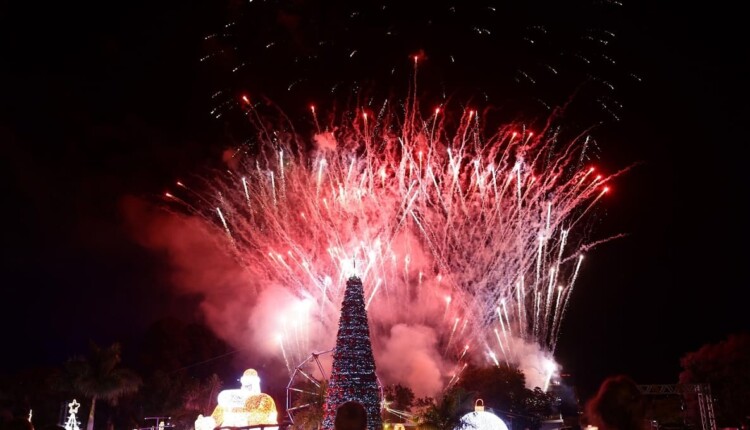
{"x": 353, "y": 372}
{"x": 246, "y": 406}
{"x": 72, "y": 422}
{"x": 481, "y": 420}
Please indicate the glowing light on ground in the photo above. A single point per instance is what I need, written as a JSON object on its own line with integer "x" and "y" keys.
{"x": 482, "y": 420}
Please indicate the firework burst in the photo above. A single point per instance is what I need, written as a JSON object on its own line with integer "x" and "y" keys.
{"x": 475, "y": 235}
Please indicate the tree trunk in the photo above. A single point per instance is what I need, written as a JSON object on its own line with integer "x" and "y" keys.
{"x": 90, "y": 422}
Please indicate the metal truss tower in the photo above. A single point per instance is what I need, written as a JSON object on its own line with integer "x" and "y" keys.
{"x": 702, "y": 392}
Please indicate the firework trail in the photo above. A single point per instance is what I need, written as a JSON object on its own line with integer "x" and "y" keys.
{"x": 469, "y": 233}
{"x": 520, "y": 55}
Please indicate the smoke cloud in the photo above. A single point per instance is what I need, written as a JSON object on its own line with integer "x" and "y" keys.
{"x": 535, "y": 363}
{"x": 409, "y": 355}
{"x": 325, "y": 140}
{"x": 252, "y": 315}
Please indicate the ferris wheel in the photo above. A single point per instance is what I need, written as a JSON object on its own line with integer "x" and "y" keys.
{"x": 306, "y": 391}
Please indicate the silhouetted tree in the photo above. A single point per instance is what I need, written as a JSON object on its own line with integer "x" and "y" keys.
{"x": 726, "y": 367}
{"x": 445, "y": 413}
{"x": 29, "y": 389}
{"x": 196, "y": 397}
{"x": 538, "y": 406}
{"x": 201, "y": 397}
{"x": 399, "y": 398}
{"x": 501, "y": 387}
{"x": 183, "y": 365}
{"x": 99, "y": 376}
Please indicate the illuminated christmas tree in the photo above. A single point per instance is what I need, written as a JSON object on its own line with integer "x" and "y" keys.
{"x": 353, "y": 374}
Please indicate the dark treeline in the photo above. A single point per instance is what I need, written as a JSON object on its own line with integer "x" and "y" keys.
{"x": 175, "y": 369}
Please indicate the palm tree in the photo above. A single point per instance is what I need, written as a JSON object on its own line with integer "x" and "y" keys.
{"x": 201, "y": 395}
{"x": 99, "y": 376}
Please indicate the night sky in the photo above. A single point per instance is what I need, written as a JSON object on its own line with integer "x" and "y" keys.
{"x": 103, "y": 101}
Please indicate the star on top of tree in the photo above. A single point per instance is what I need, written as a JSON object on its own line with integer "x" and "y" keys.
{"x": 73, "y": 407}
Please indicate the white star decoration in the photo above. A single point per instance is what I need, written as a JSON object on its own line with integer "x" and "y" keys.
{"x": 72, "y": 422}
{"x": 73, "y": 407}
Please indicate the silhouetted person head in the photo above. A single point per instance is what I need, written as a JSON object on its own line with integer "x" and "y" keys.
{"x": 619, "y": 405}
{"x": 350, "y": 416}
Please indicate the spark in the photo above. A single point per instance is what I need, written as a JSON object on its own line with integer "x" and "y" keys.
{"x": 494, "y": 358}
{"x": 247, "y": 193}
{"x": 223, "y": 221}
{"x": 280, "y": 340}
